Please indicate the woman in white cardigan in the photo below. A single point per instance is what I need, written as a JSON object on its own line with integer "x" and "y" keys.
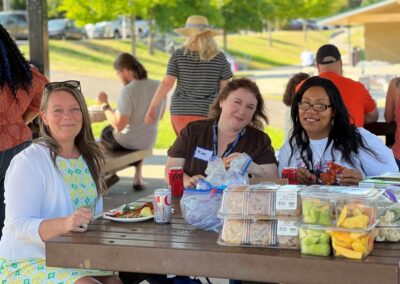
{"x": 51, "y": 188}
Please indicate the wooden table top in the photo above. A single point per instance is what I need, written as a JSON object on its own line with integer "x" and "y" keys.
{"x": 180, "y": 249}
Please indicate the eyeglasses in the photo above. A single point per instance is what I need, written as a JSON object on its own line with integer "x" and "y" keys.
{"x": 316, "y": 107}
{"x": 69, "y": 84}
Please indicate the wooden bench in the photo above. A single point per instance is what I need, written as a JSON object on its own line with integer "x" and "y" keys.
{"x": 119, "y": 160}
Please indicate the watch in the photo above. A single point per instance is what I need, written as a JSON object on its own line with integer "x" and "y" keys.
{"x": 106, "y": 107}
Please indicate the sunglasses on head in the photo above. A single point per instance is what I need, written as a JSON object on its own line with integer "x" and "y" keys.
{"x": 69, "y": 84}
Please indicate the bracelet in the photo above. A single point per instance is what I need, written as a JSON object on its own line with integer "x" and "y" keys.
{"x": 106, "y": 107}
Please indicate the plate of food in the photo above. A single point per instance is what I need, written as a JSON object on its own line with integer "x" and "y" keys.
{"x": 131, "y": 212}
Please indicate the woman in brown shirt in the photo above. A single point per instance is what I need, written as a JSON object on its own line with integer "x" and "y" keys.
{"x": 21, "y": 87}
{"x": 235, "y": 125}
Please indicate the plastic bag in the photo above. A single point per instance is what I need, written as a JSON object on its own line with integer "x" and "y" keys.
{"x": 200, "y": 208}
{"x": 237, "y": 172}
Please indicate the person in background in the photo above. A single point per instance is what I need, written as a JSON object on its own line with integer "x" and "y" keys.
{"x": 128, "y": 130}
{"x": 60, "y": 188}
{"x": 21, "y": 88}
{"x": 201, "y": 71}
{"x": 322, "y": 134}
{"x": 288, "y": 96}
{"x": 307, "y": 58}
{"x": 360, "y": 105}
{"x": 235, "y": 125}
{"x": 392, "y": 113}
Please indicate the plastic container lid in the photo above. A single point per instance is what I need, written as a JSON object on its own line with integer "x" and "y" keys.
{"x": 342, "y": 192}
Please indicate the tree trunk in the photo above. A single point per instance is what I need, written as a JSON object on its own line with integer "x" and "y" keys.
{"x": 132, "y": 19}
{"x": 305, "y": 30}
{"x": 150, "y": 46}
{"x": 269, "y": 24}
{"x": 6, "y": 5}
{"x": 225, "y": 40}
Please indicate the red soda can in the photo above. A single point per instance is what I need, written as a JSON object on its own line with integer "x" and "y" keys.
{"x": 291, "y": 174}
{"x": 175, "y": 175}
{"x": 162, "y": 206}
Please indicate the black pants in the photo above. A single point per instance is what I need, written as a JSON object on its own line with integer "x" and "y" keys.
{"x": 5, "y": 160}
{"x": 107, "y": 138}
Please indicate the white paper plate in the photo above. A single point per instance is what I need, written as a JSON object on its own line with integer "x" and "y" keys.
{"x": 125, "y": 220}
{"x": 128, "y": 220}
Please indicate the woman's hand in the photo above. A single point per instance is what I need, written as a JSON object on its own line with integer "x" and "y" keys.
{"x": 228, "y": 160}
{"x": 192, "y": 181}
{"x": 79, "y": 220}
{"x": 304, "y": 176}
{"x": 349, "y": 177}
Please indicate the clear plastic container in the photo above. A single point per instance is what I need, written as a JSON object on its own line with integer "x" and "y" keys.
{"x": 314, "y": 241}
{"x": 388, "y": 228}
{"x": 287, "y": 233}
{"x": 261, "y": 202}
{"x": 352, "y": 243}
{"x": 347, "y": 207}
{"x": 239, "y": 232}
{"x": 348, "y": 243}
{"x": 288, "y": 200}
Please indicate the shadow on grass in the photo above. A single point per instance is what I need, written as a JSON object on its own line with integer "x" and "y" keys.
{"x": 84, "y": 56}
{"x": 99, "y": 47}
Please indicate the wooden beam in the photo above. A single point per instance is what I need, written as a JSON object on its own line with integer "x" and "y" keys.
{"x": 38, "y": 35}
{"x": 375, "y": 18}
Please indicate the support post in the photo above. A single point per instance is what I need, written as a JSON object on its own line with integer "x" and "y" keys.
{"x": 38, "y": 35}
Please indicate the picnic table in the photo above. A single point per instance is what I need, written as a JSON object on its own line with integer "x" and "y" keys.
{"x": 180, "y": 249}
{"x": 381, "y": 128}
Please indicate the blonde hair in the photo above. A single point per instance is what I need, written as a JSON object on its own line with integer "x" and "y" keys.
{"x": 204, "y": 43}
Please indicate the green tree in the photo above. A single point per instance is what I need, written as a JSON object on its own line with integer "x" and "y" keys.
{"x": 53, "y": 9}
{"x": 239, "y": 15}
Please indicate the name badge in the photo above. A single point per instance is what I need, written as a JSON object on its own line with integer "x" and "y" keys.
{"x": 203, "y": 154}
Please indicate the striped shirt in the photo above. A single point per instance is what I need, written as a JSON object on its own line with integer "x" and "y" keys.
{"x": 197, "y": 81}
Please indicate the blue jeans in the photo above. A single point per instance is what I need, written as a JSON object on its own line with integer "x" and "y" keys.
{"x": 5, "y": 160}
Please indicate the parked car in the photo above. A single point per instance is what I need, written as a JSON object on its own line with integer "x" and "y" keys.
{"x": 120, "y": 28}
{"x": 65, "y": 29}
{"x": 297, "y": 25}
{"x": 16, "y": 23}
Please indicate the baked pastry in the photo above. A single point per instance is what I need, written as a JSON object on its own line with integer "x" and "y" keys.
{"x": 260, "y": 232}
{"x": 233, "y": 231}
{"x": 234, "y": 201}
{"x": 259, "y": 203}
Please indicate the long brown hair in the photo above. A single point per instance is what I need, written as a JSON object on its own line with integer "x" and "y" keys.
{"x": 288, "y": 95}
{"x": 84, "y": 141}
{"x": 259, "y": 116}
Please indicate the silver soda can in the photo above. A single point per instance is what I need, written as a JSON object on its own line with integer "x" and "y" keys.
{"x": 162, "y": 206}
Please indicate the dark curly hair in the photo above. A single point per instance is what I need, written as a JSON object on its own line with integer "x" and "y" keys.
{"x": 259, "y": 115}
{"x": 15, "y": 71}
{"x": 345, "y": 136}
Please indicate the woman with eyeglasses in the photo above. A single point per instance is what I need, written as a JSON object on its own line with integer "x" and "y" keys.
{"x": 58, "y": 179}
{"x": 322, "y": 134}
{"x": 21, "y": 87}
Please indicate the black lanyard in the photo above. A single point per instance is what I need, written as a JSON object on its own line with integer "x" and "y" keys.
{"x": 215, "y": 142}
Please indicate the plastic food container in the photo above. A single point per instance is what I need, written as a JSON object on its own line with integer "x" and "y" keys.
{"x": 287, "y": 233}
{"x": 288, "y": 201}
{"x": 352, "y": 243}
{"x": 388, "y": 229}
{"x": 314, "y": 241}
{"x": 262, "y": 201}
{"x": 259, "y": 233}
{"x": 384, "y": 180}
{"x": 347, "y": 207}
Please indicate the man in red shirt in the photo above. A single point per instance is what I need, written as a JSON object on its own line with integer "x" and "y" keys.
{"x": 361, "y": 106}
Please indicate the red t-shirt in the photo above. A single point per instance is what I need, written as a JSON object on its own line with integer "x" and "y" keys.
{"x": 355, "y": 96}
{"x": 13, "y": 130}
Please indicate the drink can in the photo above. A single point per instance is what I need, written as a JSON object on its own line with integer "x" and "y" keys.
{"x": 175, "y": 175}
{"x": 162, "y": 206}
{"x": 291, "y": 174}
